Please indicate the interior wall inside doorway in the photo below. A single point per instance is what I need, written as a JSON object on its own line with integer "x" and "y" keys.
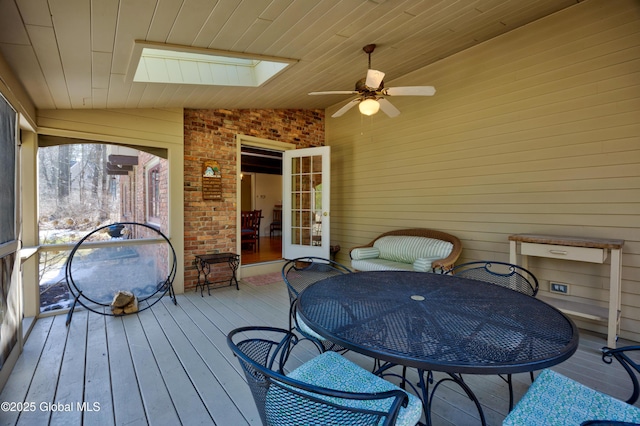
{"x": 246, "y": 192}
{"x": 267, "y": 194}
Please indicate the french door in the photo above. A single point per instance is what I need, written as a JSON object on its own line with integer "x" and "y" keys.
{"x": 305, "y": 203}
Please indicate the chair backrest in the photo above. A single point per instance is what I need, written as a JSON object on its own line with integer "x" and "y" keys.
{"x": 503, "y": 274}
{"x": 300, "y": 273}
{"x": 257, "y": 216}
{"x": 248, "y": 218}
{"x": 277, "y": 215}
{"x": 263, "y": 351}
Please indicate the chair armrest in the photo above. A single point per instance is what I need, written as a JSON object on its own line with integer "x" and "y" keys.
{"x": 423, "y": 264}
{"x": 365, "y": 252}
{"x": 448, "y": 262}
{"x": 629, "y": 365}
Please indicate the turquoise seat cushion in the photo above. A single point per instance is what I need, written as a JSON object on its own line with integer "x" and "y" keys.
{"x": 406, "y": 249}
{"x": 333, "y": 371}
{"x": 556, "y": 400}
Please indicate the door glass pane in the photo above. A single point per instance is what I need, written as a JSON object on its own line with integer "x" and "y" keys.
{"x": 316, "y": 193}
{"x": 306, "y": 199}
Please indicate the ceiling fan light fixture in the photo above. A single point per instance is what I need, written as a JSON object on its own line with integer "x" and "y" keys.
{"x": 369, "y": 106}
{"x": 372, "y": 93}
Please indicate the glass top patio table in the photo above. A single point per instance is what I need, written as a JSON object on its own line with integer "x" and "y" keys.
{"x": 438, "y": 322}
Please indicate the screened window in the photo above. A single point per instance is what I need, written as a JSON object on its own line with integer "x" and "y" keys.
{"x": 84, "y": 186}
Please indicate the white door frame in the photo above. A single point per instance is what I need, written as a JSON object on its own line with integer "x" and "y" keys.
{"x": 246, "y": 140}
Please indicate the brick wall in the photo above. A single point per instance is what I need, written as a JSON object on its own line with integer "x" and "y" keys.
{"x": 210, "y": 226}
{"x": 138, "y": 190}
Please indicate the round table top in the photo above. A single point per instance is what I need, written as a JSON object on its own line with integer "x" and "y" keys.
{"x": 438, "y": 322}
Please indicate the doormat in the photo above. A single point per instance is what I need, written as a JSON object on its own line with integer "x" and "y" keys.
{"x": 274, "y": 277}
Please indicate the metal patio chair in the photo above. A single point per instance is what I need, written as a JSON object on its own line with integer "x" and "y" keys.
{"x": 299, "y": 274}
{"x": 326, "y": 390}
{"x": 500, "y": 273}
{"x": 554, "y": 399}
{"x": 505, "y": 275}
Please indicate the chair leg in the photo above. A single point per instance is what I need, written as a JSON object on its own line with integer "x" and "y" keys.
{"x": 510, "y": 383}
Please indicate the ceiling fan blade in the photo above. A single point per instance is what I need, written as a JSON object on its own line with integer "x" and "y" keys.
{"x": 346, "y": 108}
{"x": 410, "y": 91}
{"x": 388, "y": 108}
{"x": 374, "y": 78}
{"x": 335, "y": 92}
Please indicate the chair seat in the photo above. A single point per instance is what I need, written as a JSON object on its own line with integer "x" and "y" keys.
{"x": 554, "y": 399}
{"x": 304, "y": 329}
{"x": 333, "y": 371}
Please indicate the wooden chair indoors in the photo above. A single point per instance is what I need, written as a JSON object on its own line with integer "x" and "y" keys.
{"x": 276, "y": 224}
{"x": 257, "y": 216}
{"x": 248, "y": 234}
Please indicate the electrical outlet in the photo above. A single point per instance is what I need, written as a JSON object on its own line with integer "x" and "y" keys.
{"x": 561, "y": 288}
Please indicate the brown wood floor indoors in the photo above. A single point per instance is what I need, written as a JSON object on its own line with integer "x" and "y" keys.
{"x": 170, "y": 365}
{"x": 270, "y": 249}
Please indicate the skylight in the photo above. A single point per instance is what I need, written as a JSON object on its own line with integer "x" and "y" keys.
{"x": 178, "y": 65}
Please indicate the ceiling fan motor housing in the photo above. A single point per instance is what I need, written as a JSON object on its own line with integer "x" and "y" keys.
{"x": 362, "y": 87}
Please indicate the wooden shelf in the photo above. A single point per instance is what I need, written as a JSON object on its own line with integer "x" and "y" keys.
{"x": 595, "y": 250}
{"x": 578, "y": 309}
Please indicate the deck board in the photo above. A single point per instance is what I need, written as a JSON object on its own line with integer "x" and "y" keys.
{"x": 97, "y": 381}
{"x": 127, "y": 401}
{"x": 222, "y": 387}
{"x": 70, "y": 384}
{"x": 45, "y": 377}
{"x": 206, "y": 400}
{"x": 171, "y": 365}
{"x": 154, "y": 361}
{"x": 17, "y": 386}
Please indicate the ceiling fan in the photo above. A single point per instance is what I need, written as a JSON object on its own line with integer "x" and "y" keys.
{"x": 371, "y": 92}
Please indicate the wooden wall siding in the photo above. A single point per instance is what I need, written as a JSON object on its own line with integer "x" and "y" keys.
{"x": 536, "y": 131}
{"x": 210, "y": 226}
{"x": 145, "y": 127}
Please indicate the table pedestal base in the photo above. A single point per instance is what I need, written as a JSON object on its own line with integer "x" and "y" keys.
{"x": 425, "y": 381}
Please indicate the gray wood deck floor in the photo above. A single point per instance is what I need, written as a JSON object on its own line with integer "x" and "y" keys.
{"x": 170, "y": 365}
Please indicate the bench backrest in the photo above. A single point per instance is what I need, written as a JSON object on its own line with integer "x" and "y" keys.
{"x": 407, "y": 249}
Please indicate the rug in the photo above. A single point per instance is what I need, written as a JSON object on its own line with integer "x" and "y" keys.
{"x": 274, "y": 277}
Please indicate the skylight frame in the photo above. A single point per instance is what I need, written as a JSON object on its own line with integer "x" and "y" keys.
{"x": 199, "y": 66}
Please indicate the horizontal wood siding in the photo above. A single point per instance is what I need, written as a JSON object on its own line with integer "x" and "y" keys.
{"x": 536, "y": 131}
{"x": 146, "y": 127}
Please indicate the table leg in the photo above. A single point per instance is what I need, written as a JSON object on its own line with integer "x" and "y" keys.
{"x": 200, "y": 265}
{"x": 613, "y": 323}
{"x": 453, "y": 377}
{"x": 234, "y": 262}
{"x": 206, "y": 280}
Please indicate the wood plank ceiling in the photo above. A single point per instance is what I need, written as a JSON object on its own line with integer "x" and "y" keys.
{"x": 74, "y": 54}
